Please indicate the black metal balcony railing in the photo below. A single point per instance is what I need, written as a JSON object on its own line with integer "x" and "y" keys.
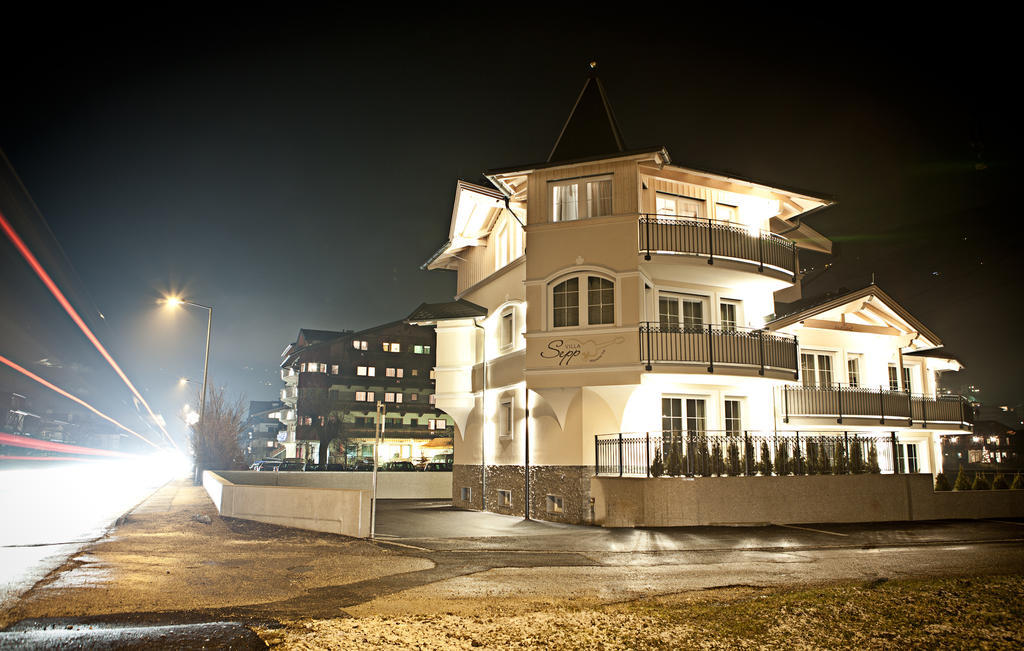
{"x": 720, "y": 454}
{"x": 839, "y": 402}
{"x": 716, "y": 239}
{"x": 717, "y": 344}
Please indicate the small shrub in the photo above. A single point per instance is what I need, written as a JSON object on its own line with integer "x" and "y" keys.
{"x": 980, "y": 482}
{"x": 782, "y": 458}
{"x": 842, "y": 460}
{"x": 1017, "y": 483}
{"x": 657, "y": 466}
{"x": 857, "y": 457}
{"x": 873, "y": 466}
{"x": 675, "y": 461}
{"x": 961, "y": 483}
{"x": 734, "y": 458}
{"x": 812, "y": 458}
{"x": 941, "y": 483}
{"x": 999, "y": 483}
{"x": 748, "y": 455}
{"x": 799, "y": 465}
{"x": 824, "y": 461}
{"x": 766, "y": 459}
{"x": 717, "y": 459}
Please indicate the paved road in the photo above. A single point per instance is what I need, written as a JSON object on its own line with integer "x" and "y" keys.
{"x": 48, "y": 514}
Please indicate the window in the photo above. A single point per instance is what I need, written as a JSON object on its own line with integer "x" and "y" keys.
{"x": 432, "y": 374}
{"x": 437, "y": 424}
{"x": 554, "y": 504}
{"x": 673, "y": 416}
{"x": 729, "y": 311}
{"x": 674, "y": 205}
{"x": 675, "y": 310}
{"x": 726, "y": 213}
{"x": 394, "y": 372}
{"x": 420, "y": 350}
{"x": 581, "y": 199}
{"x": 392, "y": 397}
{"x": 894, "y": 378}
{"x": 600, "y": 301}
{"x": 733, "y": 420}
{"x": 504, "y": 497}
{"x": 907, "y": 457}
{"x": 433, "y": 399}
{"x": 369, "y": 371}
{"x": 334, "y": 369}
{"x": 507, "y": 328}
{"x": 359, "y": 345}
{"x": 568, "y": 310}
{"x": 816, "y": 369}
{"x": 466, "y": 493}
{"x": 414, "y": 397}
{"x": 364, "y": 396}
{"x": 392, "y": 347}
{"x": 908, "y": 386}
{"x": 853, "y": 371}
{"x": 414, "y": 372}
{"x": 505, "y": 420}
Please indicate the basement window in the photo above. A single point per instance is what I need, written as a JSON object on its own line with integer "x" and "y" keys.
{"x": 466, "y": 494}
{"x": 504, "y": 498}
{"x": 554, "y": 504}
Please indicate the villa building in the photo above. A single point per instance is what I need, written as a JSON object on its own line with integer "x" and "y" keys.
{"x": 342, "y": 376}
{"x": 614, "y": 309}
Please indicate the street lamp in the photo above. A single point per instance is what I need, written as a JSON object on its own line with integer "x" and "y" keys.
{"x": 175, "y": 301}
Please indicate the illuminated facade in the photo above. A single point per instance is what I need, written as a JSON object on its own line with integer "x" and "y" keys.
{"x": 620, "y": 293}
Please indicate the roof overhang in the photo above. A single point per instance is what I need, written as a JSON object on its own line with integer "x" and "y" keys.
{"x": 473, "y": 215}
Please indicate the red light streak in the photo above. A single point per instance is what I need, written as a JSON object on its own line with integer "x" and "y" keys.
{"x": 53, "y": 446}
{"x": 57, "y": 294}
{"x": 54, "y": 387}
{"x": 13, "y": 457}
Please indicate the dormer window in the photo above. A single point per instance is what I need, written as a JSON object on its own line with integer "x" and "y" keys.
{"x": 581, "y": 198}
{"x": 674, "y": 205}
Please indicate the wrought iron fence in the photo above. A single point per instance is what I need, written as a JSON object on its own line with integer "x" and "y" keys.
{"x": 723, "y": 454}
{"x": 713, "y": 344}
{"x": 715, "y": 239}
{"x": 838, "y": 401}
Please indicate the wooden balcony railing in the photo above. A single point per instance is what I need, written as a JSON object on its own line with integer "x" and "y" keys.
{"x": 716, "y": 239}
{"x": 839, "y": 402}
{"x": 718, "y": 345}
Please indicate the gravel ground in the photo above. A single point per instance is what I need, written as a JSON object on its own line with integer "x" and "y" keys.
{"x": 981, "y": 612}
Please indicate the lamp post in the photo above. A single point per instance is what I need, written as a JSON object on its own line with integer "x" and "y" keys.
{"x": 174, "y": 301}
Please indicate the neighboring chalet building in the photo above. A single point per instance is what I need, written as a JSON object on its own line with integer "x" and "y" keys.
{"x": 336, "y": 379}
{"x": 260, "y": 438}
{"x": 611, "y": 305}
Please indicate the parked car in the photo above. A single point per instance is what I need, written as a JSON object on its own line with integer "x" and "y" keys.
{"x": 265, "y": 465}
{"x": 362, "y": 466}
{"x": 334, "y": 467}
{"x": 399, "y": 466}
{"x": 438, "y": 466}
{"x": 292, "y": 465}
{"x": 448, "y": 458}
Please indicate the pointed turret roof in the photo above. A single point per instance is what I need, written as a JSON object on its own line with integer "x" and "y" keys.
{"x": 590, "y": 129}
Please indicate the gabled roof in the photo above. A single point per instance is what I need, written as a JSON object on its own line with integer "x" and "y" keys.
{"x": 805, "y": 309}
{"x": 591, "y": 128}
{"x": 433, "y": 312}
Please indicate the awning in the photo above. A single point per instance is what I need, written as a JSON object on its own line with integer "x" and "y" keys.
{"x": 439, "y": 443}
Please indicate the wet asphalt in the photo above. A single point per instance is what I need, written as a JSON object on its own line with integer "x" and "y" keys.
{"x": 468, "y": 544}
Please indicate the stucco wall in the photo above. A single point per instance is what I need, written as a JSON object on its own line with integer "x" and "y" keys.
{"x": 390, "y": 485}
{"x": 669, "y": 502}
{"x": 340, "y": 511}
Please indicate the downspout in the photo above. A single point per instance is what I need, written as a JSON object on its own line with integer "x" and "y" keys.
{"x": 483, "y": 420}
{"x": 526, "y": 459}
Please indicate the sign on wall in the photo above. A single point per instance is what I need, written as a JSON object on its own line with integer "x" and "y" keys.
{"x": 575, "y": 352}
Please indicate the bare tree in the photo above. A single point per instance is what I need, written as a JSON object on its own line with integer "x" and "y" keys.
{"x": 325, "y": 421}
{"x": 215, "y": 437}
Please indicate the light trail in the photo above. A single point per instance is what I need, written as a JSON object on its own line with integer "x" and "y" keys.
{"x": 54, "y": 446}
{"x": 49, "y": 385}
{"x": 64, "y": 303}
{"x": 14, "y": 457}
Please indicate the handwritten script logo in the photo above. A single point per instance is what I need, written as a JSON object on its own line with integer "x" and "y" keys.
{"x": 585, "y": 350}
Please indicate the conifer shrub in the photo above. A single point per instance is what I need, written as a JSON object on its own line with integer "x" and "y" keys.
{"x": 717, "y": 459}
{"x": 824, "y": 460}
{"x": 961, "y": 483}
{"x": 980, "y": 482}
{"x": 857, "y": 456}
{"x": 734, "y": 458}
{"x": 748, "y": 455}
{"x": 1017, "y": 483}
{"x": 799, "y": 465}
{"x": 873, "y": 466}
{"x": 657, "y": 465}
{"x": 999, "y": 482}
{"x": 766, "y": 467}
{"x": 841, "y": 465}
{"x": 812, "y": 458}
{"x": 782, "y": 458}
{"x": 941, "y": 483}
{"x": 674, "y": 467}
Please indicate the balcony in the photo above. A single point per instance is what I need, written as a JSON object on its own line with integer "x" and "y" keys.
{"x": 289, "y": 394}
{"x": 289, "y": 376}
{"x": 857, "y": 404}
{"x": 716, "y": 240}
{"x": 718, "y": 347}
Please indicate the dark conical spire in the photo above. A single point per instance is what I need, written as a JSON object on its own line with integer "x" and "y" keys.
{"x": 591, "y": 129}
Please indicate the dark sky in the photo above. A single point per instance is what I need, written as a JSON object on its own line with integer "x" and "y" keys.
{"x": 293, "y": 168}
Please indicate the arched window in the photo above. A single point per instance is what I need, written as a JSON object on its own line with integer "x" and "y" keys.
{"x": 596, "y": 308}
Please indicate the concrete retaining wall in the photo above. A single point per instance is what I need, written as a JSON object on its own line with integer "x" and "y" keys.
{"x": 330, "y": 510}
{"x": 390, "y": 485}
{"x": 675, "y": 501}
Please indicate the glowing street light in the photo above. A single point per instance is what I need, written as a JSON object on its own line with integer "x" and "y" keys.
{"x": 173, "y": 302}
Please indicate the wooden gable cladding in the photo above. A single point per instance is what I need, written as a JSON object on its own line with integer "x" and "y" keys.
{"x": 656, "y": 184}
{"x": 625, "y": 192}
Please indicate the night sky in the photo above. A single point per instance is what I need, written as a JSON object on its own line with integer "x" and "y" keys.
{"x": 293, "y": 168}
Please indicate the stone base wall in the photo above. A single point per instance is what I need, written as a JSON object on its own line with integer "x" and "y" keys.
{"x": 571, "y": 483}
